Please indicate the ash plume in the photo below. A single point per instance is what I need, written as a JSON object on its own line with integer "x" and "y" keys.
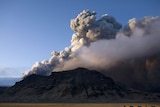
{"x": 129, "y": 55}
{"x": 87, "y": 29}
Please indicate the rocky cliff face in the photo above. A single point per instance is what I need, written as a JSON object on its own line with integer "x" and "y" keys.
{"x": 78, "y": 85}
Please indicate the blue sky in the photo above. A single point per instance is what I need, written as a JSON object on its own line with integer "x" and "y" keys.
{"x": 31, "y": 29}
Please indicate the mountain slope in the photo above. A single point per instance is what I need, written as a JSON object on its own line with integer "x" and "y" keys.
{"x": 78, "y": 85}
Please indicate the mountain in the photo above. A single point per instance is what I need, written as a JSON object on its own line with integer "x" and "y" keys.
{"x": 139, "y": 73}
{"x": 78, "y": 85}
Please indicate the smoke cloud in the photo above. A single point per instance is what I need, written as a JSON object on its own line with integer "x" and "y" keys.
{"x": 87, "y": 30}
{"x": 129, "y": 55}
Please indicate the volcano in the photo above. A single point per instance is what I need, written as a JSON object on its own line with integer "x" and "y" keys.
{"x": 78, "y": 85}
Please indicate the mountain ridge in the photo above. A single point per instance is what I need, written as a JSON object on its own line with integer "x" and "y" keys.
{"x": 78, "y": 85}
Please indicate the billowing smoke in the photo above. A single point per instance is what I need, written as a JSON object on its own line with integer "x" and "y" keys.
{"x": 129, "y": 55}
{"x": 87, "y": 30}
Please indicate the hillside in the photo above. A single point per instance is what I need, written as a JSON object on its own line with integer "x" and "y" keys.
{"x": 78, "y": 85}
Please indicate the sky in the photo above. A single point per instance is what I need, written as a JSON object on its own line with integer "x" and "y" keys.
{"x": 31, "y": 29}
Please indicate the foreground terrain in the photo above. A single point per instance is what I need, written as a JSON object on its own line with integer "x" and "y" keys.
{"x": 79, "y": 104}
{"x": 74, "y": 86}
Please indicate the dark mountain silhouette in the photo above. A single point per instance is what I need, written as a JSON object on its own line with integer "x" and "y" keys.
{"x": 78, "y": 85}
{"x": 2, "y": 89}
{"x": 139, "y": 73}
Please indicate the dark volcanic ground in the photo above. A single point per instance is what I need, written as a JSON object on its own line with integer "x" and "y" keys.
{"x": 78, "y": 85}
